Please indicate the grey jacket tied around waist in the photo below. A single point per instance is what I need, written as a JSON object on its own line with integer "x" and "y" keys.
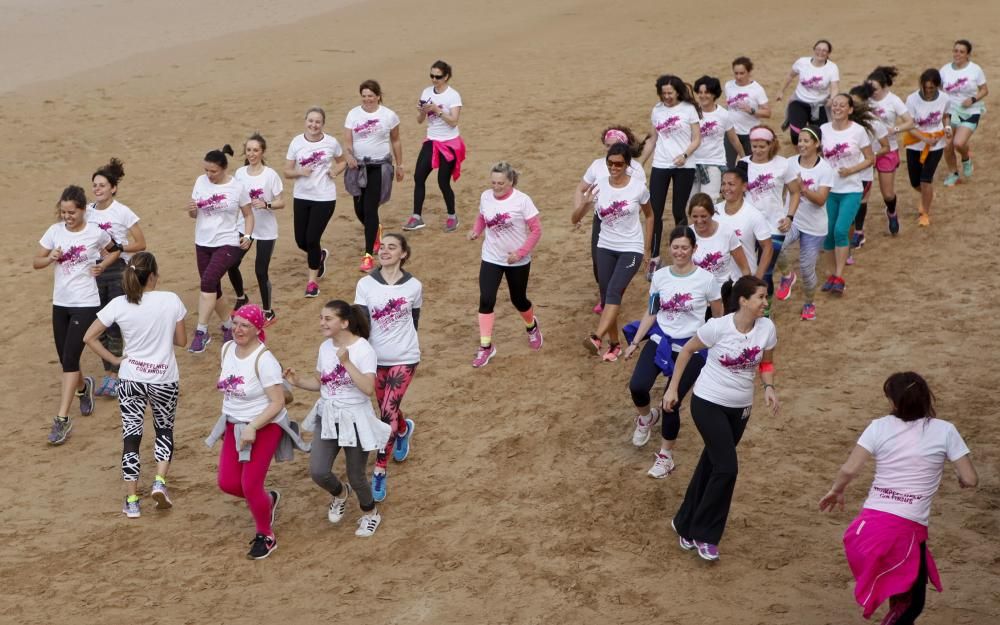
{"x": 290, "y": 439}
{"x": 357, "y": 179}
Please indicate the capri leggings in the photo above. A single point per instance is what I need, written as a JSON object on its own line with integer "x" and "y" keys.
{"x": 841, "y": 208}
{"x": 310, "y": 218}
{"x": 595, "y": 235}
{"x": 246, "y": 479}
{"x": 423, "y": 170}
{"x": 490, "y": 276}
{"x": 68, "y": 327}
{"x": 644, "y": 376}
{"x": 213, "y": 263}
{"x": 659, "y": 184}
{"x": 800, "y": 114}
{"x": 109, "y": 286}
{"x": 391, "y": 383}
{"x": 859, "y": 219}
{"x": 265, "y": 249}
{"x": 614, "y": 272}
{"x": 922, "y": 172}
{"x": 810, "y": 246}
{"x": 366, "y": 206}
{"x": 162, "y": 399}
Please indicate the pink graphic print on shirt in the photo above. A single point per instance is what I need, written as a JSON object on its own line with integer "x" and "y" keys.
{"x": 838, "y": 152}
{"x": 105, "y": 226}
{"x": 393, "y": 311}
{"x": 956, "y": 86}
{"x": 808, "y": 184}
{"x": 738, "y": 100}
{"x": 669, "y": 125}
{"x": 613, "y": 212}
{"x": 366, "y": 128}
{"x": 677, "y": 305}
{"x": 748, "y": 359}
{"x": 212, "y": 204}
{"x": 336, "y": 378}
{"x": 76, "y": 255}
{"x": 256, "y": 194}
{"x": 231, "y": 386}
{"x": 811, "y": 83}
{"x": 499, "y": 222}
{"x": 317, "y": 158}
{"x": 760, "y": 185}
{"x": 710, "y": 262}
{"x": 709, "y": 129}
{"x": 933, "y": 119}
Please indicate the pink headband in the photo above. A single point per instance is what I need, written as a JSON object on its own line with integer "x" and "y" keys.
{"x": 761, "y": 134}
{"x": 253, "y": 314}
{"x": 617, "y": 135}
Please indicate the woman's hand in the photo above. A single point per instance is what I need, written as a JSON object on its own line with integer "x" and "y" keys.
{"x": 784, "y": 225}
{"x": 472, "y": 236}
{"x": 245, "y": 242}
{"x": 399, "y": 173}
{"x": 669, "y": 398}
{"x": 97, "y": 270}
{"x": 351, "y": 161}
{"x": 248, "y": 436}
{"x": 305, "y": 170}
{"x": 513, "y": 257}
{"x": 192, "y": 208}
{"x": 55, "y": 255}
{"x": 590, "y": 195}
{"x": 771, "y": 400}
{"x": 832, "y": 500}
{"x": 258, "y": 204}
{"x": 844, "y": 172}
{"x": 292, "y": 376}
{"x": 680, "y": 160}
{"x": 342, "y": 355}
{"x": 630, "y": 350}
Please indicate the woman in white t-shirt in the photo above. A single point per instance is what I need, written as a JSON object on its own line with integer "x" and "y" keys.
{"x": 343, "y": 417}
{"x": 739, "y": 215}
{"x": 818, "y": 81}
{"x": 374, "y": 157}
{"x": 718, "y": 249}
{"x": 75, "y": 247}
{"x": 122, "y": 224}
{"x": 152, "y": 323}
{"x": 965, "y": 84}
{"x": 926, "y": 142}
{"x": 216, "y": 206}
{"x": 675, "y": 136}
{"x": 879, "y": 137}
{"x": 262, "y": 190}
{"x": 314, "y": 160}
{"x": 392, "y": 298}
{"x": 599, "y": 169}
{"x": 512, "y": 229}
{"x": 717, "y": 132}
{"x": 443, "y": 149}
{"x": 886, "y": 544}
{"x": 679, "y": 297}
{"x": 747, "y": 103}
{"x": 738, "y": 345}
{"x": 623, "y": 245}
{"x": 889, "y": 108}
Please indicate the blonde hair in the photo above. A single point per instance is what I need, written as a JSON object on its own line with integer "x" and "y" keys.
{"x": 505, "y": 168}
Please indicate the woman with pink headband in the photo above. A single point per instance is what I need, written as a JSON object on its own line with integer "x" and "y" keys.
{"x": 598, "y": 170}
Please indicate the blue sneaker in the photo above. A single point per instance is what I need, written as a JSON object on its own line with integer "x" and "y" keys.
{"x": 378, "y": 486}
{"x": 402, "y": 448}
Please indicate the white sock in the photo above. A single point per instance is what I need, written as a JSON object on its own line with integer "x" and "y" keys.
{"x": 202, "y": 327}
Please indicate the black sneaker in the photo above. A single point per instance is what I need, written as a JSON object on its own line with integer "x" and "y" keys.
{"x": 261, "y": 546}
{"x": 275, "y": 498}
{"x": 241, "y": 302}
{"x": 322, "y": 263}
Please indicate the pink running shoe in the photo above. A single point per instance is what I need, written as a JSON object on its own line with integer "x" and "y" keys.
{"x": 785, "y": 287}
{"x": 598, "y": 308}
{"x": 535, "y": 337}
{"x": 483, "y": 356}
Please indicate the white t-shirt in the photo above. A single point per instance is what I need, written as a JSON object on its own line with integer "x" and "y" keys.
{"x": 506, "y": 226}
{"x": 437, "y": 128}
{"x": 148, "y": 330}
{"x": 733, "y": 358}
{"x": 370, "y": 131}
{"x": 961, "y": 84}
{"x": 335, "y": 381}
{"x": 811, "y": 218}
{"x": 391, "y": 306}
{"x": 750, "y": 226}
{"x": 243, "y": 396}
{"x": 751, "y": 95}
{"x": 265, "y": 186}
{"x": 218, "y": 210}
{"x": 842, "y": 148}
{"x": 909, "y": 461}
{"x": 714, "y": 254}
{"x": 599, "y": 169}
{"x": 683, "y": 300}
{"x": 73, "y": 286}
{"x": 888, "y": 109}
{"x": 714, "y": 125}
{"x": 620, "y": 211}
{"x": 879, "y": 132}
{"x": 766, "y": 188}
{"x": 814, "y": 82}
{"x": 116, "y": 219}
{"x": 317, "y": 186}
{"x": 928, "y": 117}
{"x": 672, "y": 125}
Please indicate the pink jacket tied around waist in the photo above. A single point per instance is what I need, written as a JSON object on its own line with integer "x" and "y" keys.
{"x": 450, "y": 150}
{"x": 883, "y": 551}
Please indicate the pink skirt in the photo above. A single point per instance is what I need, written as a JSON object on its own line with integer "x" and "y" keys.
{"x": 888, "y": 162}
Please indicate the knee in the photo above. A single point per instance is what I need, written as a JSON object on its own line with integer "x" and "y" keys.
{"x": 640, "y": 395}
{"x": 487, "y": 305}
{"x": 230, "y": 485}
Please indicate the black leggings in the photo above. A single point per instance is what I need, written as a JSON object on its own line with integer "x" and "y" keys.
{"x": 68, "y": 327}
{"x": 366, "y": 206}
{"x": 922, "y": 172}
{"x": 263, "y": 261}
{"x": 659, "y": 184}
{"x": 731, "y": 153}
{"x": 800, "y": 115}
{"x": 109, "y": 286}
{"x": 310, "y": 219}
{"x": 917, "y": 594}
{"x": 595, "y": 235}
{"x": 644, "y": 376}
{"x": 490, "y": 276}
{"x": 444, "y": 179}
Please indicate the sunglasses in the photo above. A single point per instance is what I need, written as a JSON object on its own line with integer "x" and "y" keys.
{"x": 616, "y": 164}
{"x": 437, "y": 76}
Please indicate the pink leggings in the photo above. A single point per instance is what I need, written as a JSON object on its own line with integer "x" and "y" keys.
{"x": 390, "y": 386}
{"x": 246, "y": 479}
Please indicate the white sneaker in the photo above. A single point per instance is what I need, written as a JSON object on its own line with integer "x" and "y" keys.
{"x": 339, "y": 505}
{"x": 663, "y": 466}
{"x": 640, "y": 436}
{"x": 368, "y": 523}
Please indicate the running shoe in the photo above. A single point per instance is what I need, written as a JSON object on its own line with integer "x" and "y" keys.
{"x": 896, "y": 610}
{"x": 261, "y": 546}
{"x": 838, "y": 286}
{"x": 368, "y": 523}
{"x": 367, "y": 263}
{"x": 640, "y": 436}
{"x": 707, "y": 551}
{"x": 662, "y": 466}
{"x": 924, "y": 220}
{"x": 893, "y": 223}
{"x": 415, "y": 222}
{"x": 199, "y": 342}
{"x": 339, "y": 505}
{"x": 850, "y": 257}
{"x": 160, "y": 495}
{"x": 275, "y": 498}
{"x": 808, "y": 312}
{"x": 379, "y": 486}
{"x": 60, "y": 430}
{"x": 685, "y": 543}
{"x": 227, "y": 333}
{"x": 593, "y": 344}
{"x": 323, "y": 255}
{"x": 614, "y": 351}
{"x": 598, "y": 308}
{"x": 108, "y": 387}
{"x": 535, "y": 338}
{"x": 401, "y": 450}
{"x": 451, "y": 224}
{"x": 785, "y": 286}
{"x": 312, "y": 290}
{"x": 828, "y": 284}
{"x": 483, "y": 356}
{"x": 241, "y": 301}
{"x": 270, "y": 318}
{"x": 951, "y": 179}
{"x": 651, "y": 268}
{"x": 86, "y": 396}
{"x": 131, "y": 508}
{"x": 967, "y": 168}
{"x": 858, "y": 239}
{"x": 377, "y": 245}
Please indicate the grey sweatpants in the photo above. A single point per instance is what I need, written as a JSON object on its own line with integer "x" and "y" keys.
{"x": 321, "y": 457}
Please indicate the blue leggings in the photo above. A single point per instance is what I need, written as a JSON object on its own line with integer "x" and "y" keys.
{"x": 841, "y": 209}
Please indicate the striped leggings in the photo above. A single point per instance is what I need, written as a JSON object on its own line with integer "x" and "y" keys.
{"x": 132, "y": 398}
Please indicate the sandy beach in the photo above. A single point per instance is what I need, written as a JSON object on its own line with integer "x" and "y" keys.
{"x": 523, "y": 501}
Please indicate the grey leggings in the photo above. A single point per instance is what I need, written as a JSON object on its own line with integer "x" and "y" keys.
{"x": 321, "y": 458}
{"x": 810, "y": 246}
{"x": 614, "y": 271}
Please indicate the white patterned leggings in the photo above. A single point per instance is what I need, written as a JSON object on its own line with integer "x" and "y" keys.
{"x": 810, "y": 247}
{"x": 162, "y": 399}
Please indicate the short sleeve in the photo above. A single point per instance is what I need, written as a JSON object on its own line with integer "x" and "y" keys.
{"x": 337, "y": 150}
{"x": 797, "y": 66}
{"x": 180, "y": 308}
{"x": 590, "y": 176}
{"x": 714, "y": 289}
{"x": 863, "y": 140}
{"x": 709, "y": 333}
{"x": 291, "y": 151}
{"x": 772, "y": 336}
{"x": 109, "y": 314}
{"x": 319, "y": 359}
{"x": 129, "y": 217}
{"x": 277, "y": 186}
{"x": 393, "y": 119}
{"x": 980, "y": 77}
{"x": 761, "y": 94}
{"x": 734, "y": 241}
{"x": 898, "y": 106}
{"x": 418, "y": 300}
{"x": 244, "y": 194}
{"x": 360, "y": 297}
{"x": 727, "y": 120}
{"x": 48, "y": 240}
{"x": 643, "y": 196}
{"x": 530, "y": 210}
{"x": 194, "y": 191}
{"x": 955, "y": 447}
{"x": 835, "y": 74}
{"x": 791, "y": 173}
{"x": 827, "y": 178}
{"x": 761, "y": 230}
{"x": 103, "y": 238}
{"x": 347, "y": 120}
{"x": 692, "y": 113}
{"x": 458, "y": 99}
{"x": 367, "y": 360}
{"x": 269, "y": 370}
{"x": 869, "y": 438}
